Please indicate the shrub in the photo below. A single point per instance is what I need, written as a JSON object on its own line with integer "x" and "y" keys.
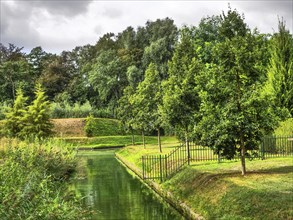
{"x": 77, "y": 110}
{"x": 285, "y": 128}
{"x": 3, "y": 109}
{"x": 103, "y": 127}
{"x": 32, "y": 182}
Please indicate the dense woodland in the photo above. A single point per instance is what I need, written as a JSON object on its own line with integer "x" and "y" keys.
{"x": 219, "y": 83}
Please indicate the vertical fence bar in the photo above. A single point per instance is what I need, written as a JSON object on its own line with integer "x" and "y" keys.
{"x": 142, "y": 160}
{"x": 161, "y": 171}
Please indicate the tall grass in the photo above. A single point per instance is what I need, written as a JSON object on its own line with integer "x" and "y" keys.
{"x": 77, "y": 110}
{"x": 34, "y": 181}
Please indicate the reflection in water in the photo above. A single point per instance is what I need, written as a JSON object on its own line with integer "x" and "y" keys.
{"x": 114, "y": 194}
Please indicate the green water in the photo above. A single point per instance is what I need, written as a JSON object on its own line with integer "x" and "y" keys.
{"x": 112, "y": 193}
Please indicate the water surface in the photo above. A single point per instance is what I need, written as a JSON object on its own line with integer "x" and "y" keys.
{"x": 113, "y": 193}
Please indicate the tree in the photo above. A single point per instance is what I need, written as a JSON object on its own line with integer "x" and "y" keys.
{"x": 13, "y": 124}
{"x": 280, "y": 72}
{"x": 36, "y": 120}
{"x": 108, "y": 78}
{"x": 146, "y": 101}
{"x": 125, "y": 110}
{"x": 236, "y": 114}
{"x": 13, "y": 74}
{"x": 55, "y": 77}
{"x": 180, "y": 100}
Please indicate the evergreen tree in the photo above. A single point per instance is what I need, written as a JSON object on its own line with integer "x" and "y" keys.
{"x": 280, "y": 72}
{"x": 13, "y": 124}
{"x": 37, "y": 119}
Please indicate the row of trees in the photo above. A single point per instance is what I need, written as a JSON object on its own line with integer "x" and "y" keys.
{"x": 219, "y": 83}
{"x": 226, "y": 87}
{"x": 94, "y": 73}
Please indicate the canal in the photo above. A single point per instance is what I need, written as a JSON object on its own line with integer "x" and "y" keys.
{"x": 112, "y": 193}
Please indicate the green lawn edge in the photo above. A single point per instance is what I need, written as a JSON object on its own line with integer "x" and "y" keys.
{"x": 219, "y": 191}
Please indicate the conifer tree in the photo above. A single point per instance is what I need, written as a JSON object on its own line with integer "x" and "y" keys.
{"x": 37, "y": 119}
{"x": 13, "y": 124}
{"x": 280, "y": 72}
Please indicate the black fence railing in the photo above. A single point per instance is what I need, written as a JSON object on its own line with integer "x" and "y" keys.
{"x": 276, "y": 147}
{"x": 162, "y": 167}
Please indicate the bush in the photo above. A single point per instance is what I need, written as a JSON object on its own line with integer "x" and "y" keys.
{"x": 285, "y": 128}
{"x": 33, "y": 181}
{"x": 3, "y": 109}
{"x": 103, "y": 127}
{"x": 77, "y": 110}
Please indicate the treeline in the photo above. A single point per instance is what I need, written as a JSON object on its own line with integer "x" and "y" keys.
{"x": 93, "y": 74}
{"x": 219, "y": 83}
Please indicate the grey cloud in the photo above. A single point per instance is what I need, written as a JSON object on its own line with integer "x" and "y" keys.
{"x": 112, "y": 12}
{"x": 56, "y": 7}
{"x": 98, "y": 29}
{"x": 16, "y": 27}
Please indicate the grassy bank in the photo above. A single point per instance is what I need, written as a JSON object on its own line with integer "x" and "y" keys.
{"x": 218, "y": 191}
{"x": 34, "y": 180}
{"x": 113, "y": 141}
{"x": 75, "y": 127}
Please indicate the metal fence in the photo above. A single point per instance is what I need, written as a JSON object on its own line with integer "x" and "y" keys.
{"x": 163, "y": 167}
{"x": 272, "y": 147}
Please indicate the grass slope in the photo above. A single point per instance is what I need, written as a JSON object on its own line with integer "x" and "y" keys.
{"x": 218, "y": 191}
{"x": 113, "y": 141}
{"x": 74, "y": 127}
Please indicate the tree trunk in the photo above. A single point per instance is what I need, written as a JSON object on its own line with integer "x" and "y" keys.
{"x": 143, "y": 139}
{"x": 242, "y": 147}
{"x": 243, "y": 151}
{"x": 132, "y": 136}
{"x": 187, "y": 146}
{"x": 159, "y": 140}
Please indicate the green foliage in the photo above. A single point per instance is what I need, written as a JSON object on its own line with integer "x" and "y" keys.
{"x": 36, "y": 120}
{"x": 285, "y": 128}
{"x": 13, "y": 75}
{"x": 280, "y": 71}
{"x": 34, "y": 182}
{"x": 65, "y": 110}
{"x": 180, "y": 100}
{"x": 13, "y": 124}
{"x": 3, "y": 109}
{"x": 146, "y": 100}
{"x": 236, "y": 115}
{"x": 102, "y": 127}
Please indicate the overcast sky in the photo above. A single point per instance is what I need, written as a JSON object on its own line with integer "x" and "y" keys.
{"x": 61, "y": 25}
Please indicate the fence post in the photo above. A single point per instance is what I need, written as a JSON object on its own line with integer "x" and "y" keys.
{"x": 263, "y": 149}
{"x": 161, "y": 173}
{"x": 166, "y": 166}
{"x": 219, "y": 157}
{"x": 188, "y": 152}
{"x": 143, "y": 173}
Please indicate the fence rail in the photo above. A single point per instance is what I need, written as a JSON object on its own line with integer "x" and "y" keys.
{"x": 163, "y": 167}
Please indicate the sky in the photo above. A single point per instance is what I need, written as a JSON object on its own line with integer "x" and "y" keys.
{"x": 62, "y": 25}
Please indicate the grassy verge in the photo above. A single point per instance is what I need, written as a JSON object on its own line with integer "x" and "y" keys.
{"x": 218, "y": 191}
{"x": 113, "y": 141}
